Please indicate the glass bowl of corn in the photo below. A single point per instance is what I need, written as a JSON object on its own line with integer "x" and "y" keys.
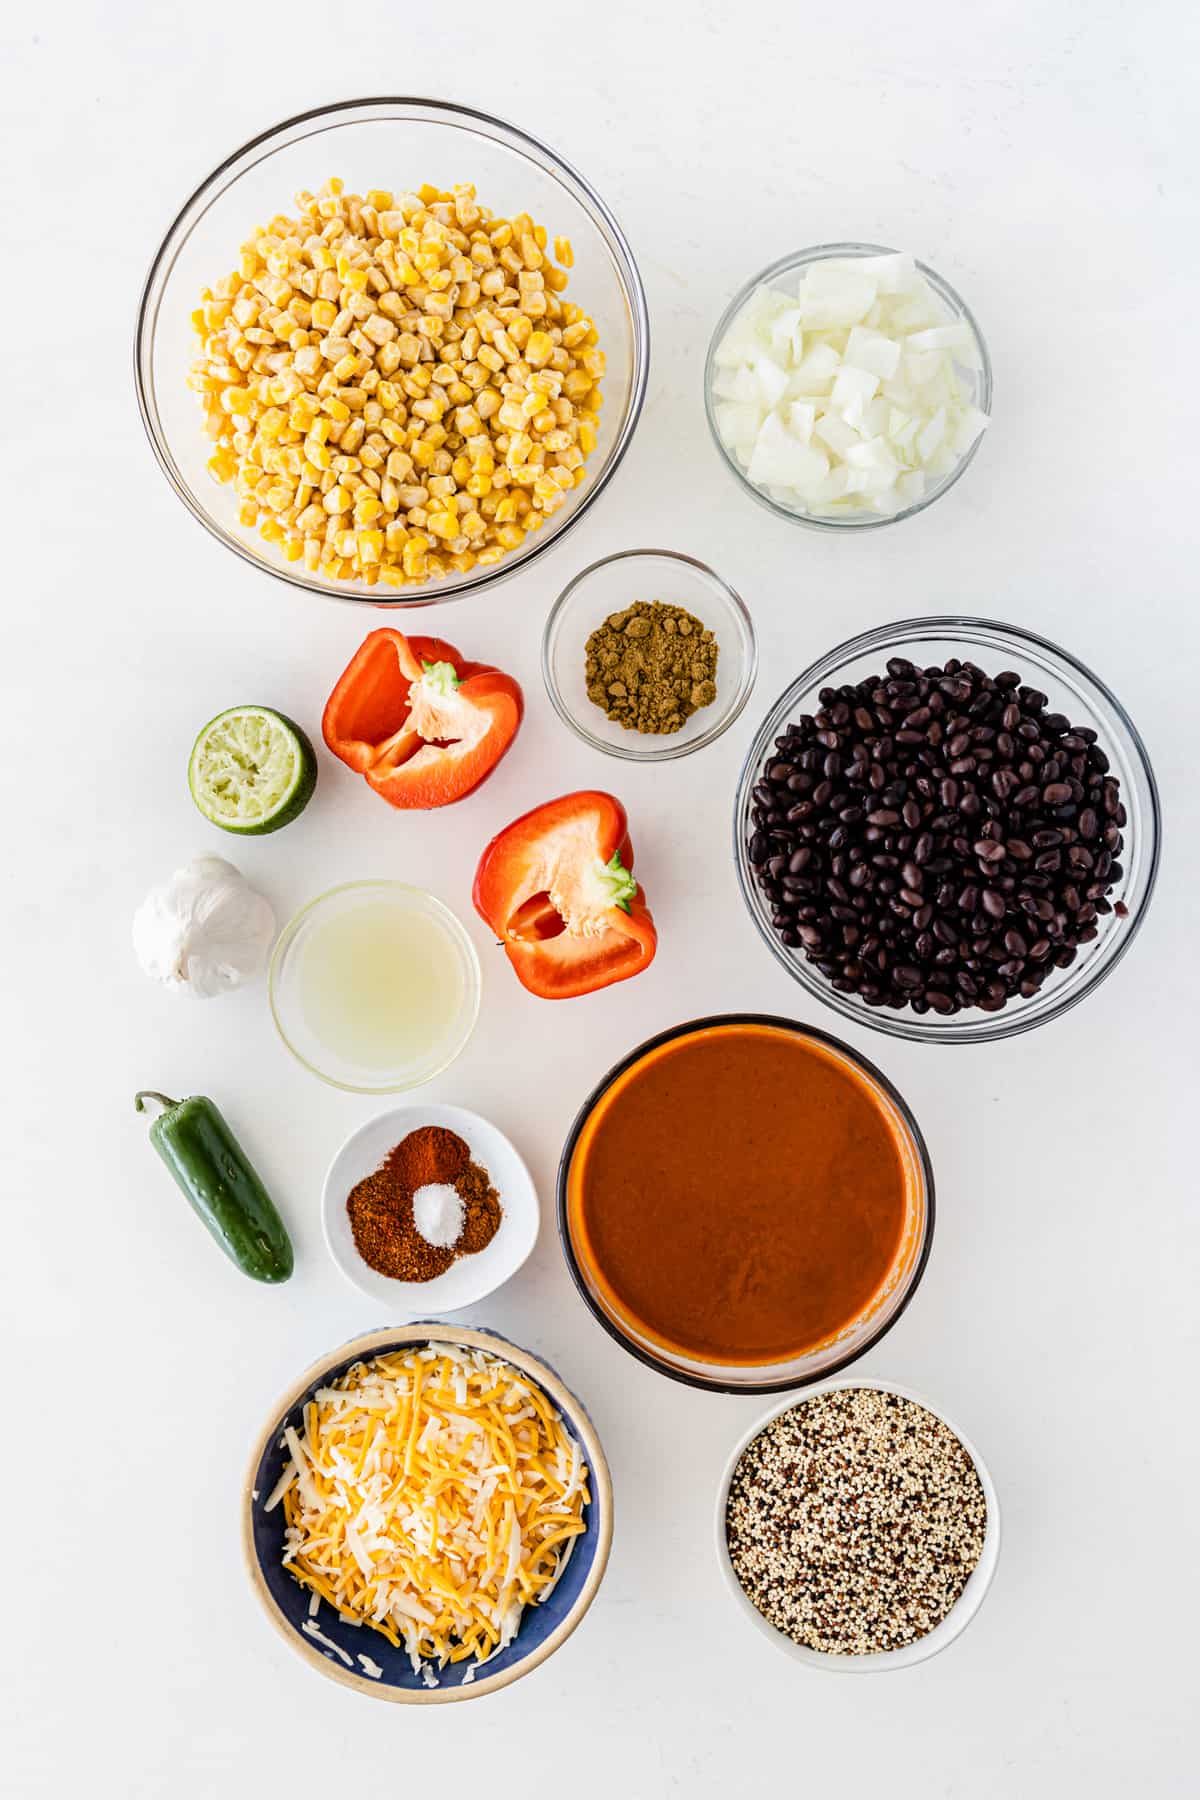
{"x": 391, "y": 350}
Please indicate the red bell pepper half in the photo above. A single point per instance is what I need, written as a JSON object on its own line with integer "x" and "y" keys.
{"x": 556, "y": 886}
{"x": 421, "y": 724}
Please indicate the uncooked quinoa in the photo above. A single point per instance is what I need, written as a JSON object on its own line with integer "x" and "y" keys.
{"x": 854, "y": 1521}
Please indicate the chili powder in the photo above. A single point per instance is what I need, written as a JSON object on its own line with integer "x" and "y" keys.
{"x": 380, "y": 1207}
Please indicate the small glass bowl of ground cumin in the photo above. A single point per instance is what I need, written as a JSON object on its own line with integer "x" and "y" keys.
{"x": 649, "y": 655}
{"x": 428, "y": 1209}
{"x": 856, "y": 1528}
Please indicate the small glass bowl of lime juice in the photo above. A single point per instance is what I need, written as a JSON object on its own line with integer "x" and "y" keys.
{"x": 374, "y": 986}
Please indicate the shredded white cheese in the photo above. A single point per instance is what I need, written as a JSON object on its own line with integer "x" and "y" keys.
{"x": 312, "y": 1631}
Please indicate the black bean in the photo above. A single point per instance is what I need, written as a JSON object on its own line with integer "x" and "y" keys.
{"x": 908, "y": 905}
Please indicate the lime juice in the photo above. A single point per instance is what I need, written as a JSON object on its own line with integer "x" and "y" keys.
{"x": 380, "y": 984}
{"x": 374, "y": 986}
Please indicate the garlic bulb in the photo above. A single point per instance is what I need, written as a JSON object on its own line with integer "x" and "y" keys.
{"x": 204, "y": 931}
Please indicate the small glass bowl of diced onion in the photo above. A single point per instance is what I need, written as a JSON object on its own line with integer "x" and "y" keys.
{"x": 847, "y": 386}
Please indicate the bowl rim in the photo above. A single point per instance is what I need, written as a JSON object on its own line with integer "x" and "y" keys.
{"x": 671, "y": 750}
{"x": 877, "y": 1662}
{"x": 372, "y": 1343}
{"x": 457, "y": 930}
{"x": 822, "y": 253}
{"x": 792, "y": 1384}
{"x": 914, "y": 1029}
{"x": 162, "y": 264}
{"x": 454, "y": 1118}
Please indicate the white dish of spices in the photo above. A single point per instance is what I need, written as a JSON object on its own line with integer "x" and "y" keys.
{"x": 407, "y": 1203}
{"x": 779, "y": 1584}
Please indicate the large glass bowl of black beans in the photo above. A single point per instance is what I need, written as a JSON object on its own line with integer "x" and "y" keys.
{"x": 947, "y": 829}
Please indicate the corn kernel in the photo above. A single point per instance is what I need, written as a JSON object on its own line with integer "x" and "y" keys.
{"x": 393, "y": 385}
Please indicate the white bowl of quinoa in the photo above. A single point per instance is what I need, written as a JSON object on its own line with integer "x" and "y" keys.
{"x": 857, "y": 1528}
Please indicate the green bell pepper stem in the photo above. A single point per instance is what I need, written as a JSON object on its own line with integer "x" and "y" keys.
{"x": 440, "y": 678}
{"x": 619, "y": 881}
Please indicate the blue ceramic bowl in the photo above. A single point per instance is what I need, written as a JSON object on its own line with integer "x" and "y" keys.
{"x": 543, "y": 1628}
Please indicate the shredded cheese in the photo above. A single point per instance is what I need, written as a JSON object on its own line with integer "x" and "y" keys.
{"x": 431, "y": 1495}
{"x": 328, "y": 1644}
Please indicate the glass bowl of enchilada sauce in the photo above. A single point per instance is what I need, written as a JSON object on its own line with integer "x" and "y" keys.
{"x": 746, "y": 1204}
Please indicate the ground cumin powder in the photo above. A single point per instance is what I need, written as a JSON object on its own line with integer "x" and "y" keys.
{"x": 380, "y": 1207}
{"x": 651, "y": 667}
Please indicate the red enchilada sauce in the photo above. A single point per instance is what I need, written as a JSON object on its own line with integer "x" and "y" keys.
{"x": 742, "y": 1194}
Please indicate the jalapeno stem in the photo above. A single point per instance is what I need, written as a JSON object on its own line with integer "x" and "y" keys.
{"x": 164, "y": 1100}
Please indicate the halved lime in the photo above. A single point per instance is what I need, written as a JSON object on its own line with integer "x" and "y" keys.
{"x": 251, "y": 770}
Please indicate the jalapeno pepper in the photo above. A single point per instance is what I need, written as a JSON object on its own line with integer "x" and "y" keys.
{"x": 212, "y": 1170}
{"x": 421, "y": 724}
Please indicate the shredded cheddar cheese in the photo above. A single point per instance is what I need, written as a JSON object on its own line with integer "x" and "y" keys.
{"x": 432, "y": 1495}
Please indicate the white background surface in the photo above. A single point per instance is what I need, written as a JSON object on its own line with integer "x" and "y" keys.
{"x": 1043, "y": 158}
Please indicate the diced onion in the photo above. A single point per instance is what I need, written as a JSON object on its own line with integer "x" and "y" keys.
{"x": 854, "y": 394}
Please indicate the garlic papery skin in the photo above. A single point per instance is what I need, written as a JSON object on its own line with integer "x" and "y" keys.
{"x": 204, "y": 931}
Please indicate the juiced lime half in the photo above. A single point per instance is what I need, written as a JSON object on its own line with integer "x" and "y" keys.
{"x": 252, "y": 770}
